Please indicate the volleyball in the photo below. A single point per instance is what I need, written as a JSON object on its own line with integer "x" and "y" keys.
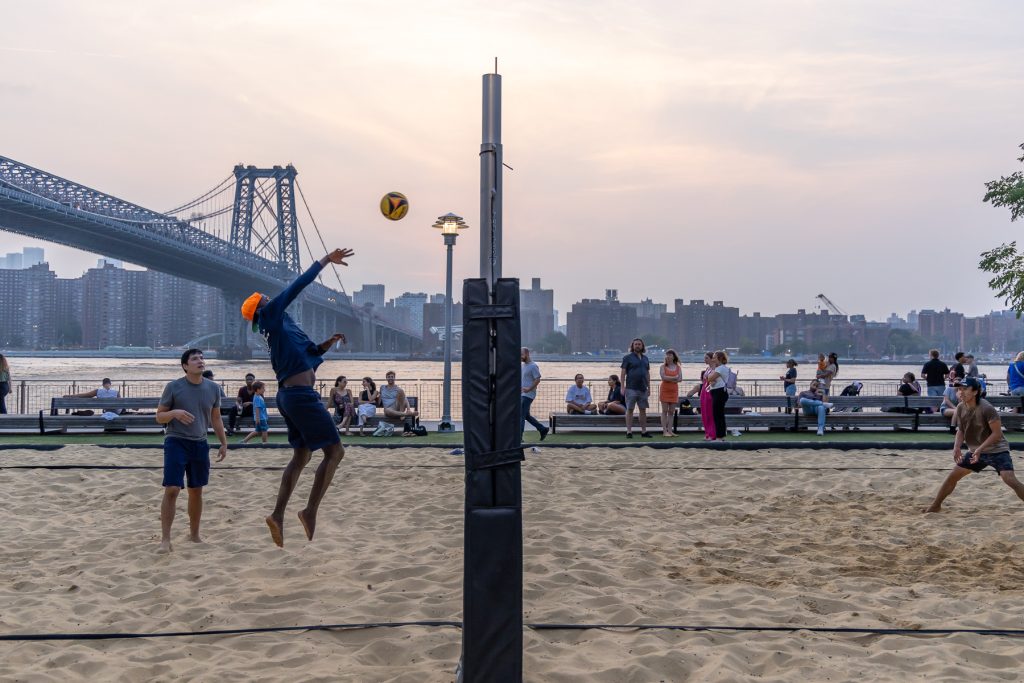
{"x": 394, "y": 206}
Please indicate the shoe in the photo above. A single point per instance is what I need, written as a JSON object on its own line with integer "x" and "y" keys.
{"x": 829, "y": 406}
{"x": 629, "y": 435}
{"x": 588, "y": 412}
{"x": 645, "y": 435}
{"x": 821, "y": 432}
{"x": 544, "y": 433}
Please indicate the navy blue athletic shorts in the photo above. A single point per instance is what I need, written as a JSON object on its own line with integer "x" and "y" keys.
{"x": 309, "y": 424}
{"x": 1000, "y": 462}
{"x": 184, "y": 457}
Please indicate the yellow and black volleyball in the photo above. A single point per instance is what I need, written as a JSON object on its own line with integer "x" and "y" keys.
{"x": 394, "y": 206}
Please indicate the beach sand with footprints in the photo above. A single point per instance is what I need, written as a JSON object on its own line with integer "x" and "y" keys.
{"x": 782, "y": 538}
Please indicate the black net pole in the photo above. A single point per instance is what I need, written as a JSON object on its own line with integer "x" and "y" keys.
{"x": 492, "y": 635}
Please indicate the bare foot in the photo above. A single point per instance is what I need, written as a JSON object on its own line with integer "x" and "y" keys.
{"x": 932, "y": 508}
{"x": 195, "y": 538}
{"x": 276, "y": 532}
{"x": 308, "y": 523}
{"x": 165, "y": 547}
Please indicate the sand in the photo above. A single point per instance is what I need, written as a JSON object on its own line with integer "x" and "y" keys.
{"x": 770, "y": 538}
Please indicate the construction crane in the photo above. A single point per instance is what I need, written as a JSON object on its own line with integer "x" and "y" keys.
{"x": 830, "y": 305}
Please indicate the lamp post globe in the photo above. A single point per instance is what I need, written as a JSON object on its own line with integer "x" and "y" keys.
{"x": 449, "y": 225}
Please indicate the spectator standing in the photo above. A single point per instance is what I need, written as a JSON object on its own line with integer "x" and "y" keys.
{"x": 344, "y": 405}
{"x": 530, "y": 379}
{"x": 242, "y": 406}
{"x": 261, "y": 423}
{"x": 830, "y": 373}
{"x": 813, "y": 402}
{"x": 635, "y": 375}
{"x": 706, "y": 417}
{"x": 789, "y": 378}
{"x": 1015, "y": 375}
{"x": 578, "y": 400}
{"x": 717, "y": 380}
{"x": 616, "y": 403}
{"x": 935, "y": 373}
{"x": 671, "y": 376}
{"x": 188, "y": 408}
{"x": 958, "y": 371}
{"x": 5, "y": 383}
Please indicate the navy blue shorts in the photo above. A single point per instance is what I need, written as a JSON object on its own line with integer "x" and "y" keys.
{"x": 186, "y": 457}
{"x": 1000, "y": 462}
{"x": 309, "y": 424}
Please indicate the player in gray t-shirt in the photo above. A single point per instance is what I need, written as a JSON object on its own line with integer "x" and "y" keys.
{"x": 188, "y": 407}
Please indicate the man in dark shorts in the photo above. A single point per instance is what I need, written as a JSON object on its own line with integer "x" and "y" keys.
{"x": 295, "y": 359}
{"x": 978, "y": 426}
{"x": 188, "y": 407}
{"x": 635, "y": 376}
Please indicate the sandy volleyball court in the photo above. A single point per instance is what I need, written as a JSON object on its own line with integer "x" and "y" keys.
{"x": 769, "y": 538}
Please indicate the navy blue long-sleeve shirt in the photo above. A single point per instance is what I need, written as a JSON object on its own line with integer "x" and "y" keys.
{"x": 291, "y": 350}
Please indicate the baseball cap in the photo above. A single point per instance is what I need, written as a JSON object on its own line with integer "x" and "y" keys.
{"x": 970, "y": 382}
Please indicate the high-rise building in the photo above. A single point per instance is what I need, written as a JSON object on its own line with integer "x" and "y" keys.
{"x": 104, "y": 291}
{"x": 600, "y": 324}
{"x": 32, "y": 256}
{"x": 27, "y": 313}
{"x": 648, "y": 316}
{"x": 944, "y": 329}
{"x": 700, "y": 326}
{"x": 369, "y": 294}
{"x": 413, "y": 301}
{"x": 13, "y": 261}
{"x": 536, "y": 312}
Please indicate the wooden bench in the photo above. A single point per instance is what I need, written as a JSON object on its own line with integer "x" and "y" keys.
{"x": 21, "y": 424}
{"x": 566, "y": 421}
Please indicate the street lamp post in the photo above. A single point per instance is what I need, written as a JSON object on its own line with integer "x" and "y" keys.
{"x": 449, "y": 225}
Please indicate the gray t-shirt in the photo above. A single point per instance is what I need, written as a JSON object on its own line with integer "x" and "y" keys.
{"x": 531, "y": 373}
{"x": 389, "y": 396}
{"x": 197, "y": 399}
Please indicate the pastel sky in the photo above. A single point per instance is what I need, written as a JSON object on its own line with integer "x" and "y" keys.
{"x": 754, "y": 152}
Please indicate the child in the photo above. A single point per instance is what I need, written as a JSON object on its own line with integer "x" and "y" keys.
{"x": 259, "y": 413}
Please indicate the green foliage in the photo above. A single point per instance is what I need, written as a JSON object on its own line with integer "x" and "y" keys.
{"x": 1005, "y": 263}
{"x": 657, "y": 340}
{"x": 1008, "y": 191}
{"x": 906, "y": 343}
{"x": 748, "y": 347}
{"x": 553, "y": 342}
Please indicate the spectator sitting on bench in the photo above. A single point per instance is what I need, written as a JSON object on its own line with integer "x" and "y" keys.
{"x": 394, "y": 402}
{"x": 813, "y": 402}
{"x": 950, "y": 400}
{"x": 616, "y": 403}
{"x": 578, "y": 400}
{"x": 366, "y": 404}
{"x": 242, "y": 407}
{"x": 909, "y": 386}
{"x": 104, "y": 391}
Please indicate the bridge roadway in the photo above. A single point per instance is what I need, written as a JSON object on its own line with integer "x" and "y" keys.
{"x": 40, "y": 205}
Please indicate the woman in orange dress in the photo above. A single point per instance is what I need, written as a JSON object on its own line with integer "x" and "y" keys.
{"x": 671, "y": 376}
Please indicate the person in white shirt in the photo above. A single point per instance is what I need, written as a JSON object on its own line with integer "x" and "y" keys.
{"x": 105, "y": 391}
{"x": 578, "y": 399}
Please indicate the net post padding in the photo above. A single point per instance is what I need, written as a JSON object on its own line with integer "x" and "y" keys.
{"x": 492, "y": 635}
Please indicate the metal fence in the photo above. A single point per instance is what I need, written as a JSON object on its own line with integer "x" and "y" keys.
{"x": 31, "y": 396}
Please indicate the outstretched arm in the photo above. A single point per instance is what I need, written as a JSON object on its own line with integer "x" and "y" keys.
{"x": 284, "y": 299}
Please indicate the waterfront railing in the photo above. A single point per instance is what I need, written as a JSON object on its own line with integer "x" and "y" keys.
{"x": 32, "y": 395}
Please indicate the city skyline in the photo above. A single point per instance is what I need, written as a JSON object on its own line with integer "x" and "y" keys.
{"x": 752, "y": 153}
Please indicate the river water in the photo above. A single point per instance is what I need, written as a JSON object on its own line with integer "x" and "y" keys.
{"x": 121, "y": 369}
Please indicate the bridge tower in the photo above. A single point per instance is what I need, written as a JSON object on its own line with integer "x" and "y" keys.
{"x": 263, "y": 222}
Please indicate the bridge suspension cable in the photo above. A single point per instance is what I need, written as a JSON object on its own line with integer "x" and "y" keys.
{"x": 302, "y": 195}
{"x": 221, "y": 187}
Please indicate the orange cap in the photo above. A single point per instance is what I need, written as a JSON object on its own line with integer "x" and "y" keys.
{"x": 249, "y": 307}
